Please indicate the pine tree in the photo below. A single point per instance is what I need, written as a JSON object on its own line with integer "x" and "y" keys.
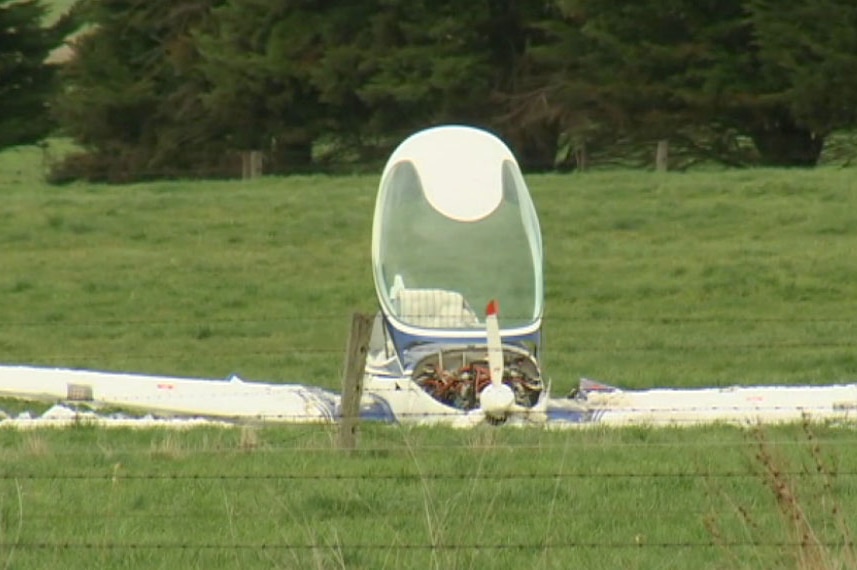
{"x": 642, "y": 71}
{"x": 131, "y": 94}
{"x": 162, "y": 85}
{"x": 27, "y": 81}
{"x": 706, "y": 71}
{"x": 808, "y": 60}
{"x": 258, "y": 59}
{"x": 360, "y": 72}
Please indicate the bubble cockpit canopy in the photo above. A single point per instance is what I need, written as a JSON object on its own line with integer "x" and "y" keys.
{"x": 454, "y": 228}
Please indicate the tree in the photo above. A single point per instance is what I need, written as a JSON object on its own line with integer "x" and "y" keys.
{"x": 549, "y": 99}
{"x": 27, "y": 81}
{"x": 704, "y": 71}
{"x": 636, "y": 72}
{"x": 361, "y": 73}
{"x": 512, "y": 30}
{"x": 258, "y": 60}
{"x": 131, "y": 95}
{"x": 428, "y": 62}
{"x": 807, "y": 53}
{"x": 158, "y": 86}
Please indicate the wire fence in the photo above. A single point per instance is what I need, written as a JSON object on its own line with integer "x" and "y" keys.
{"x": 86, "y": 498}
{"x": 408, "y": 477}
{"x": 338, "y": 318}
{"x": 96, "y": 500}
{"x": 419, "y": 547}
{"x": 89, "y": 510}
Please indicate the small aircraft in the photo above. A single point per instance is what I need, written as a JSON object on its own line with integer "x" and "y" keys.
{"x": 455, "y": 230}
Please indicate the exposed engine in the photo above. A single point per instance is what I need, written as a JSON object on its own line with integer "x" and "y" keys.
{"x": 457, "y": 376}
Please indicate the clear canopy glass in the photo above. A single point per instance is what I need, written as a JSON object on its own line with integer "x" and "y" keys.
{"x": 442, "y": 251}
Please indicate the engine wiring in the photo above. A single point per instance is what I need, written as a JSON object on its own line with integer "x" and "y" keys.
{"x": 459, "y": 385}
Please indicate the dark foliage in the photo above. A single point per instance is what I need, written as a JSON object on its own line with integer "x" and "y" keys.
{"x": 27, "y": 80}
{"x": 181, "y": 87}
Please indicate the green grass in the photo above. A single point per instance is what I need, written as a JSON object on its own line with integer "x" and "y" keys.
{"x": 696, "y": 279}
{"x": 161, "y": 277}
{"x": 690, "y": 279}
{"x": 704, "y": 278}
{"x": 412, "y": 498}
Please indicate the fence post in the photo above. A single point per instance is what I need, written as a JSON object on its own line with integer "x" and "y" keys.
{"x": 352, "y": 380}
{"x": 662, "y": 155}
{"x": 251, "y": 164}
{"x": 580, "y": 157}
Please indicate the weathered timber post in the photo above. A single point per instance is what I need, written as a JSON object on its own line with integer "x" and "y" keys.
{"x": 352, "y": 380}
{"x": 662, "y": 156}
{"x": 256, "y": 163}
{"x": 251, "y": 164}
{"x": 581, "y": 158}
{"x": 245, "y": 165}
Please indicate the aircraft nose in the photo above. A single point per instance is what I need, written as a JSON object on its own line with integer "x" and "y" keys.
{"x": 496, "y": 400}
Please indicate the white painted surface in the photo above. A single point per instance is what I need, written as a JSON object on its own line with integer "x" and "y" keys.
{"x": 231, "y": 398}
{"x": 60, "y": 416}
{"x": 496, "y": 400}
{"x": 203, "y": 402}
{"x": 735, "y": 405}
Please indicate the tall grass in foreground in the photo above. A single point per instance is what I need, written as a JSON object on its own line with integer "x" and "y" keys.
{"x": 811, "y": 549}
{"x": 420, "y": 498}
{"x": 815, "y": 532}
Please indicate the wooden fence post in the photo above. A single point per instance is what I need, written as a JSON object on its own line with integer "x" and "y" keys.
{"x": 251, "y": 164}
{"x": 581, "y": 159}
{"x": 662, "y": 156}
{"x": 352, "y": 380}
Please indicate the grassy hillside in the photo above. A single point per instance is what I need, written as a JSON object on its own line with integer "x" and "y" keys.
{"x": 695, "y": 279}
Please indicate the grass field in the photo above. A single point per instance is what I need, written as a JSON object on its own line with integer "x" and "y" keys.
{"x": 690, "y": 279}
{"x": 426, "y": 498}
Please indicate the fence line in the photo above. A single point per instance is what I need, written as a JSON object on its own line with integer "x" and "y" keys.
{"x": 368, "y": 449}
{"x": 570, "y": 545}
{"x": 110, "y": 475}
{"x": 85, "y": 513}
{"x": 577, "y": 347}
{"x": 663, "y": 320}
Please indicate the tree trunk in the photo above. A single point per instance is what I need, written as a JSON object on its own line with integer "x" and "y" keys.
{"x": 783, "y": 143}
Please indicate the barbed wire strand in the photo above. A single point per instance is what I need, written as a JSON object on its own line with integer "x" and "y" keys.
{"x": 195, "y": 322}
{"x": 410, "y": 478}
{"x": 539, "y": 545}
